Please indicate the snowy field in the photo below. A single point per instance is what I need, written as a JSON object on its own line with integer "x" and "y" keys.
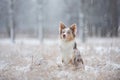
{"x": 31, "y": 60}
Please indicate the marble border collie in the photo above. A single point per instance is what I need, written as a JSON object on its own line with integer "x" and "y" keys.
{"x": 68, "y": 46}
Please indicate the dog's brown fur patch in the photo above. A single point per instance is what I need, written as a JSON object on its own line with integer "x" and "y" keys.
{"x": 61, "y": 27}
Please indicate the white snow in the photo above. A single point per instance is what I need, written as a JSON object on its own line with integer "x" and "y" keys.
{"x": 3, "y": 64}
{"x": 23, "y": 68}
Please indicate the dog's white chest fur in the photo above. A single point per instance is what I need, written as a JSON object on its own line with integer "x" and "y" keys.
{"x": 66, "y": 49}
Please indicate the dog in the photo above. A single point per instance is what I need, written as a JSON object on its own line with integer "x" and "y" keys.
{"x": 67, "y": 42}
{"x": 68, "y": 45}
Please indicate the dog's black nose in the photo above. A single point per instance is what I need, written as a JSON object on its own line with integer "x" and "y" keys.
{"x": 64, "y": 36}
{"x": 78, "y": 60}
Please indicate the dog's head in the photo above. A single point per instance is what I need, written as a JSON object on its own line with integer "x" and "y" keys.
{"x": 67, "y": 33}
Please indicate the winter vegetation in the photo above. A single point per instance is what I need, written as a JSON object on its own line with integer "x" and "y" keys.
{"x": 31, "y": 60}
{"x": 29, "y": 38}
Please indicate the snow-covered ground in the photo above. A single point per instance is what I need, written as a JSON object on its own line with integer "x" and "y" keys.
{"x": 32, "y": 60}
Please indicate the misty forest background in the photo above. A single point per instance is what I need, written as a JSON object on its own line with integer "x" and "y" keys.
{"x": 29, "y": 31}
{"x": 40, "y": 18}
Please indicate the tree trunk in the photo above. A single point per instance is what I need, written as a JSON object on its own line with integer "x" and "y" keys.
{"x": 114, "y": 17}
{"x": 40, "y": 19}
{"x": 11, "y": 20}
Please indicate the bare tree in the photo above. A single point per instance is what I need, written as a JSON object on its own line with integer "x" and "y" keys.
{"x": 114, "y": 17}
{"x": 11, "y": 20}
{"x": 40, "y": 19}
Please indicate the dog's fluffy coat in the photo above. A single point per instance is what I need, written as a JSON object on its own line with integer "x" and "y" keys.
{"x": 67, "y": 41}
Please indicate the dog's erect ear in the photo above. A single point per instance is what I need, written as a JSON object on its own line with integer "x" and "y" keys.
{"x": 74, "y": 28}
{"x": 62, "y": 26}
